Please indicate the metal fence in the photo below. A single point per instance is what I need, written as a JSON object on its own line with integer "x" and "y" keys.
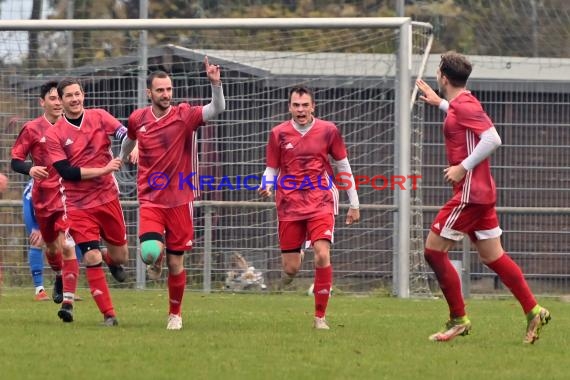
{"x": 530, "y": 168}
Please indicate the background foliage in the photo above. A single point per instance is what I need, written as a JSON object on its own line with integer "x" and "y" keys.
{"x": 527, "y": 28}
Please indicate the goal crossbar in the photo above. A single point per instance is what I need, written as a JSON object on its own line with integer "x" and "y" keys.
{"x": 222, "y": 23}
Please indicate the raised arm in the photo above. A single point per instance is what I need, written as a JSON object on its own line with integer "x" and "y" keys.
{"x": 431, "y": 97}
{"x": 218, "y": 103}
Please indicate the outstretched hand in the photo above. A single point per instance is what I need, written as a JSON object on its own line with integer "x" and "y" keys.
{"x": 429, "y": 95}
{"x": 213, "y": 72}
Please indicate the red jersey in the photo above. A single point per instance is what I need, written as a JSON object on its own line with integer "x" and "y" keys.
{"x": 32, "y": 141}
{"x": 304, "y": 187}
{"x": 464, "y": 122}
{"x": 85, "y": 146}
{"x": 168, "y": 156}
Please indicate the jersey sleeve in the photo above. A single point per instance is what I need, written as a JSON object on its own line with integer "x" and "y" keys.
{"x": 273, "y": 151}
{"x": 132, "y": 126}
{"x": 472, "y": 116}
{"x": 192, "y": 115}
{"x": 22, "y": 145}
{"x": 337, "y": 149}
{"x": 56, "y": 152}
{"x": 109, "y": 122}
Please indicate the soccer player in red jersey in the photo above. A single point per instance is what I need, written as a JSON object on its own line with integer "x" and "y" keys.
{"x": 47, "y": 204}
{"x": 79, "y": 148}
{"x": 168, "y": 159}
{"x": 470, "y": 138}
{"x": 306, "y": 198}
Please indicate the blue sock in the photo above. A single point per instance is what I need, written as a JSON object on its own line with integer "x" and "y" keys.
{"x": 78, "y": 253}
{"x": 36, "y": 261}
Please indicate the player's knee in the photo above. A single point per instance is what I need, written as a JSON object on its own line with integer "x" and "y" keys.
{"x": 292, "y": 260}
{"x": 291, "y": 268}
{"x": 91, "y": 251}
{"x": 428, "y": 254}
{"x": 151, "y": 251}
{"x": 432, "y": 255}
{"x": 152, "y": 245}
{"x": 52, "y": 249}
{"x": 291, "y": 272}
{"x": 89, "y": 246}
{"x": 118, "y": 254}
{"x": 322, "y": 246}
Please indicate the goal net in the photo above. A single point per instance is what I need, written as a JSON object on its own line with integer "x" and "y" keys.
{"x": 354, "y": 73}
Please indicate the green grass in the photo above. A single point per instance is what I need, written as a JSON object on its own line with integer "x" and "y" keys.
{"x": 249, "y": 336}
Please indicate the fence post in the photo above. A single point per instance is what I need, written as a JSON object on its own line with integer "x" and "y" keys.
{"x": 207, "y": 274}
{"x": 140, "y": 267}
{"x": 466, "y": 268}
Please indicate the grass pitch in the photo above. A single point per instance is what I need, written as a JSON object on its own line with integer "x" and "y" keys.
{"x": 270, "y": 336}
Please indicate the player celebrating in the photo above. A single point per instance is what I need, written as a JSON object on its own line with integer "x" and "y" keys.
{"x": 306, "y": 199}
{"x": 35, "y": 255}
{"x": 166, "y": 135}
{"x": 79, "y": 148}
{"x": 470, "y": 138}
{"x": 47, "y": 205}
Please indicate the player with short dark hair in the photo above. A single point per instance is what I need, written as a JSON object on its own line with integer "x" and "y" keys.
{"x": 167, "y": 138}
{"x": 47, "y": 204}
{"x": 79, "y": 147}
{"x": 470, "y": 139}
{"x": 306, "y": 198}
{"x": 36, "y": 242}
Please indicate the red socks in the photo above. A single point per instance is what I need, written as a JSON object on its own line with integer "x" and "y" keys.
{"x": 448, "y": 279}
{"x": 99, "y": 290}
{"x": 70, "y": 273}
{"x": 55, "y": 261}
{"x": 511, "y": 275}
{"x": 176, "y": 285}
{"x": 321, "y": 290}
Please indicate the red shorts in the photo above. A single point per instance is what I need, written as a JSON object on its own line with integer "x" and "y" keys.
{"x": 294, "y": 233}
{"x": 478, "y": 221}
{"x": 175, "y": 223}
{"x": 104, "y": 221}
{"x": 50, "y": 226}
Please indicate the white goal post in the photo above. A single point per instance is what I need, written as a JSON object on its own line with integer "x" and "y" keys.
{"x": 409, "y": 61}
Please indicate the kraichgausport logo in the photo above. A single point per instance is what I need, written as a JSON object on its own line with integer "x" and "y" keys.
{"x": 342, "y": 181}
